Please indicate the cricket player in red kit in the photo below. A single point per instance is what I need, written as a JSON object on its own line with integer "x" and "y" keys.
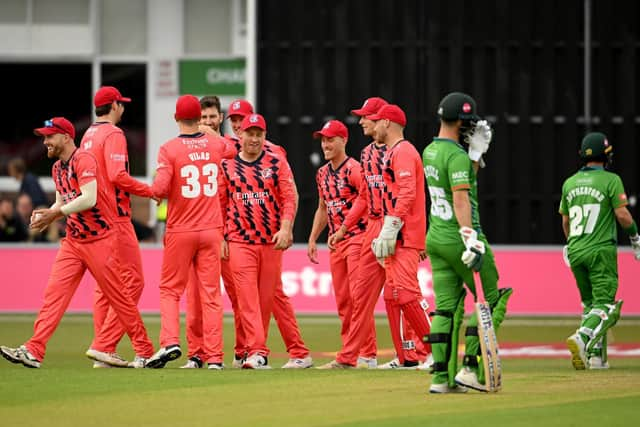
{"x": 399, "y": 245}
{"x": 338, "y": 183}
{"x": 260, "y": 203}
{"x": 282, "y": 308}
{"x": 82, "y": 195}
{"x": 187, "y": 176}
{"x": 109, "y": 146}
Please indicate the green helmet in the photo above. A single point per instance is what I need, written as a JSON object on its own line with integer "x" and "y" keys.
{"x": 595, "y": 146}
{"x": 457, "y": 106}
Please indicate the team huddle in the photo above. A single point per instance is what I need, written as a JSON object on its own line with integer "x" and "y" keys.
{"x": 232, "y": 201}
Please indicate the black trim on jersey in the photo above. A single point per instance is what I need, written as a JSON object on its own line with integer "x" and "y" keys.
{"x": 335, "y": 171}
{"x": 238, "y": 158}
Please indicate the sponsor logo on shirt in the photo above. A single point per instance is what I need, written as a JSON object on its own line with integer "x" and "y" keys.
{"x": 404, "y": 173}
{"x": 88, "y": 144}
{"x": 266, "y": 173}
{"x": 460, "y": 175}
{"x": 88, "y": 173}
{"x": 118, "y": 157}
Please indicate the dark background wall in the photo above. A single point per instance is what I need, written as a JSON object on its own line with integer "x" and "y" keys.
{"x": 522, "y": 61}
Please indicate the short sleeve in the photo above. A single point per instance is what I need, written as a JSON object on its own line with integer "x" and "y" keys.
{"x": 616, "y": 193}
{"x": 459, "y": 172}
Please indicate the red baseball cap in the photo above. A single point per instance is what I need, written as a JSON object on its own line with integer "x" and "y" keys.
{"x": 56, "y": 125}
{"x": 390, "y": 112}
{"x": 240, "y": 107}
{"x": 107, "y": 94}
{"x": 332, "y": 128}
{"x": 253, "y": 121}
{"x": 188, "y": 108}
{"x": 370, "y": 106}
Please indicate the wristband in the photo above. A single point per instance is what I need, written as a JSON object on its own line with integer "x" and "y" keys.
{"x": 632, "y": 230}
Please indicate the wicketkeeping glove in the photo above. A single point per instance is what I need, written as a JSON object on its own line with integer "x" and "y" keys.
{"x": 385, "y": 244}
{"x": 473, "y": 255}
{"x": 565, "y": 255}
{"x": 479, "y": 139}
{"x": 635, "y": 245}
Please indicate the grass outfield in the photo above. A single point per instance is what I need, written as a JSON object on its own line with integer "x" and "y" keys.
{"x": 548, "y": 392}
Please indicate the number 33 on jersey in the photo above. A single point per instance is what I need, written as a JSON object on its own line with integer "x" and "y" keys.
{"x": 187, "y": 176}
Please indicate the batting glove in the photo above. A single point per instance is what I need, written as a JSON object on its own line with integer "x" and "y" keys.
{"x": 385, "y": 244}
{"x": 635, "y": 246}
{"x": 479, "y": 139}
{"x": 473, "y": 254}
{"x": 565, "y": 255}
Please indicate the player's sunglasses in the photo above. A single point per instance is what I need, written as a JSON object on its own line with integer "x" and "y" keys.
{"x": 51, "y": 124}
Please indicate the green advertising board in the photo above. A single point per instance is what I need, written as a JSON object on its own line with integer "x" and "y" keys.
{"x": 213, "y": 77}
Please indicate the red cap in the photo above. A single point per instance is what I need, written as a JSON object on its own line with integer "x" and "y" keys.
{"x": 253, "y": 121}
{"x": 332, "y": 128}
{"x": 107, "y": 94}
{"x": 56, "y": 125}
{"x": 390, "y": 112}
{"x": 188, "y": 108}
{"x": 240, "y": 107}
{"x": 370, "y": 106}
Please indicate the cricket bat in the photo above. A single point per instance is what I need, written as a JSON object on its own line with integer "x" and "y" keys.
{"x": 488, "y": 343}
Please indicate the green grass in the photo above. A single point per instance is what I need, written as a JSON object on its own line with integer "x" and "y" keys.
{"x": 547, "y": 392}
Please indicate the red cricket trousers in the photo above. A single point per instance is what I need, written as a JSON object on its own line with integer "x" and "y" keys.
{"x": 108, "y": 330}
{"x": 343, "y": 262}
{"x": 72, "y": 260}
{"x": 184, "y": 252}
{"x": 255, "y": 273}
{"x": 365, "y": 293}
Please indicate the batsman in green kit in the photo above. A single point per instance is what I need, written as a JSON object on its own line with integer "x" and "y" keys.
{"x": 592, "y": 200}
{"x": 456, "y": 244}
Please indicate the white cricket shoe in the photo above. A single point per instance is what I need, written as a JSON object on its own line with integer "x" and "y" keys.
{"x": 595, "y": 362}
{"x": 102, "y": 365}
{"x": 427, "y": 364}
{"x": 367, "y": 363}
{"x": 113, "y": 359}
{"x": 576, "y": 347}
{"x": 395, "y": 364}
{"x": 164, "y": 355}
{"x": 444, "y": 388}
{"x": 194, "y": 362}
{"x": 238, "y": 362}
{"x": 20, "y": 355}
{"x": 139, "y": 362}
{"x": 469, "y": 379}
{"x": 303, "y": 363}
{"x": 215, "y": 366}
{"x": 256, "y": 361}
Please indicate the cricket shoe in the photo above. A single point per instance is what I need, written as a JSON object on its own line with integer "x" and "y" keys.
{"x": 20, "y": 355}
{"x": 194, "y": 362}
{"x": 595, "y": 362}
{"x": 576, "y": 347}
{"x": 164, "y": 355}
{"x": 215, "y": 366}
{"x": 102, "y": 365}
{"x": 427, "y": 364}
{"x": 395, "y": 364}
{"x": 444, "y": 388}
{"x": 256, "y": 361}
{"x": 334, "y": 364}
{"x": 238, "y": 361}
{"x": 304, "y": 363}
{"x": 367, "y": 363}
{"x": 113, "y": 359}
{"x": 469, "y": 379}
{"x": 139, "y": 362}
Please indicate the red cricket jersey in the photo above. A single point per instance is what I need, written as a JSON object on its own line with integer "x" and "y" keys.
{"x": 339, "y": 189}
{"x": 403, "y": 195}
{"x": 109, "y": 146}
{"x": 69, "y": 176}
{"x": 259, "y": 195}
{"x": 372, "y": 185}
{"x": 187, "y": 176}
